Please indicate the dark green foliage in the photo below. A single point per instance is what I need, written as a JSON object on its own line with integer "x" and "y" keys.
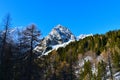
{"x": 86, "y": 73}
{"x": 101, "y": 74}
{"x": 116, "y": 60}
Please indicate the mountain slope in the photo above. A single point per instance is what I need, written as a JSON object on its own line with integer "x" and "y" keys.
{"x": 95, "y": 57}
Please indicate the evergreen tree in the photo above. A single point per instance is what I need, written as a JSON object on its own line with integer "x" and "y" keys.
{"x": 30, "y": 37}
{"x": 86, "y": 72}
{"x": 3, "y": 54}
{"x": 101, "y": 74}
{"x": 116, "y": 60}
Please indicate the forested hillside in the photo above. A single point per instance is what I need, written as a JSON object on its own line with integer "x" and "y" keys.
{"x": 92, "y": 58}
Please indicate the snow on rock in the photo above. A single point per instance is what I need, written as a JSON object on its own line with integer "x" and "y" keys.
{"x": 81, "y": 63}
{"x": 88, "y": 58}
{"x": 59, "y": 35}
{"x": 117, "y": 76}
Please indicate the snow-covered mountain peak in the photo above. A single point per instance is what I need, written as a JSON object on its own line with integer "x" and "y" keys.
{"x": 60, "y": 27}
{"x": 59, "y": 30}
{"x": 58, "y": 35}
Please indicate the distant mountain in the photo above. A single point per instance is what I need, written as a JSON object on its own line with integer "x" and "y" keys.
{"x": 57, "y": 36}
{"x": 13, "y": 34}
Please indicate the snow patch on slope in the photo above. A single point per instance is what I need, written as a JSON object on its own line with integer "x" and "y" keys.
{"x": 56, "y": 47}
{"x": 82, "y": 36}
{"x": 62, "y": 45}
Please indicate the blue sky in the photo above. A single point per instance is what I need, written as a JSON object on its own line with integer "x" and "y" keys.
{"x": 80, "y": 16}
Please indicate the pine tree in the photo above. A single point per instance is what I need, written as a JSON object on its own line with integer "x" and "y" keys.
{"x": 110, "y": 65}
{"x": 6, "y": 24}
{"x": 116, "y": 60}
{"x": 87, "y": 70}
{"x": 101, "y": 74}
{"x": 30, "y": 37}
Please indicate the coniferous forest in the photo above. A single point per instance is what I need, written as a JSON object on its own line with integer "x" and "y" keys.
{"x": 95, "y": 57}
